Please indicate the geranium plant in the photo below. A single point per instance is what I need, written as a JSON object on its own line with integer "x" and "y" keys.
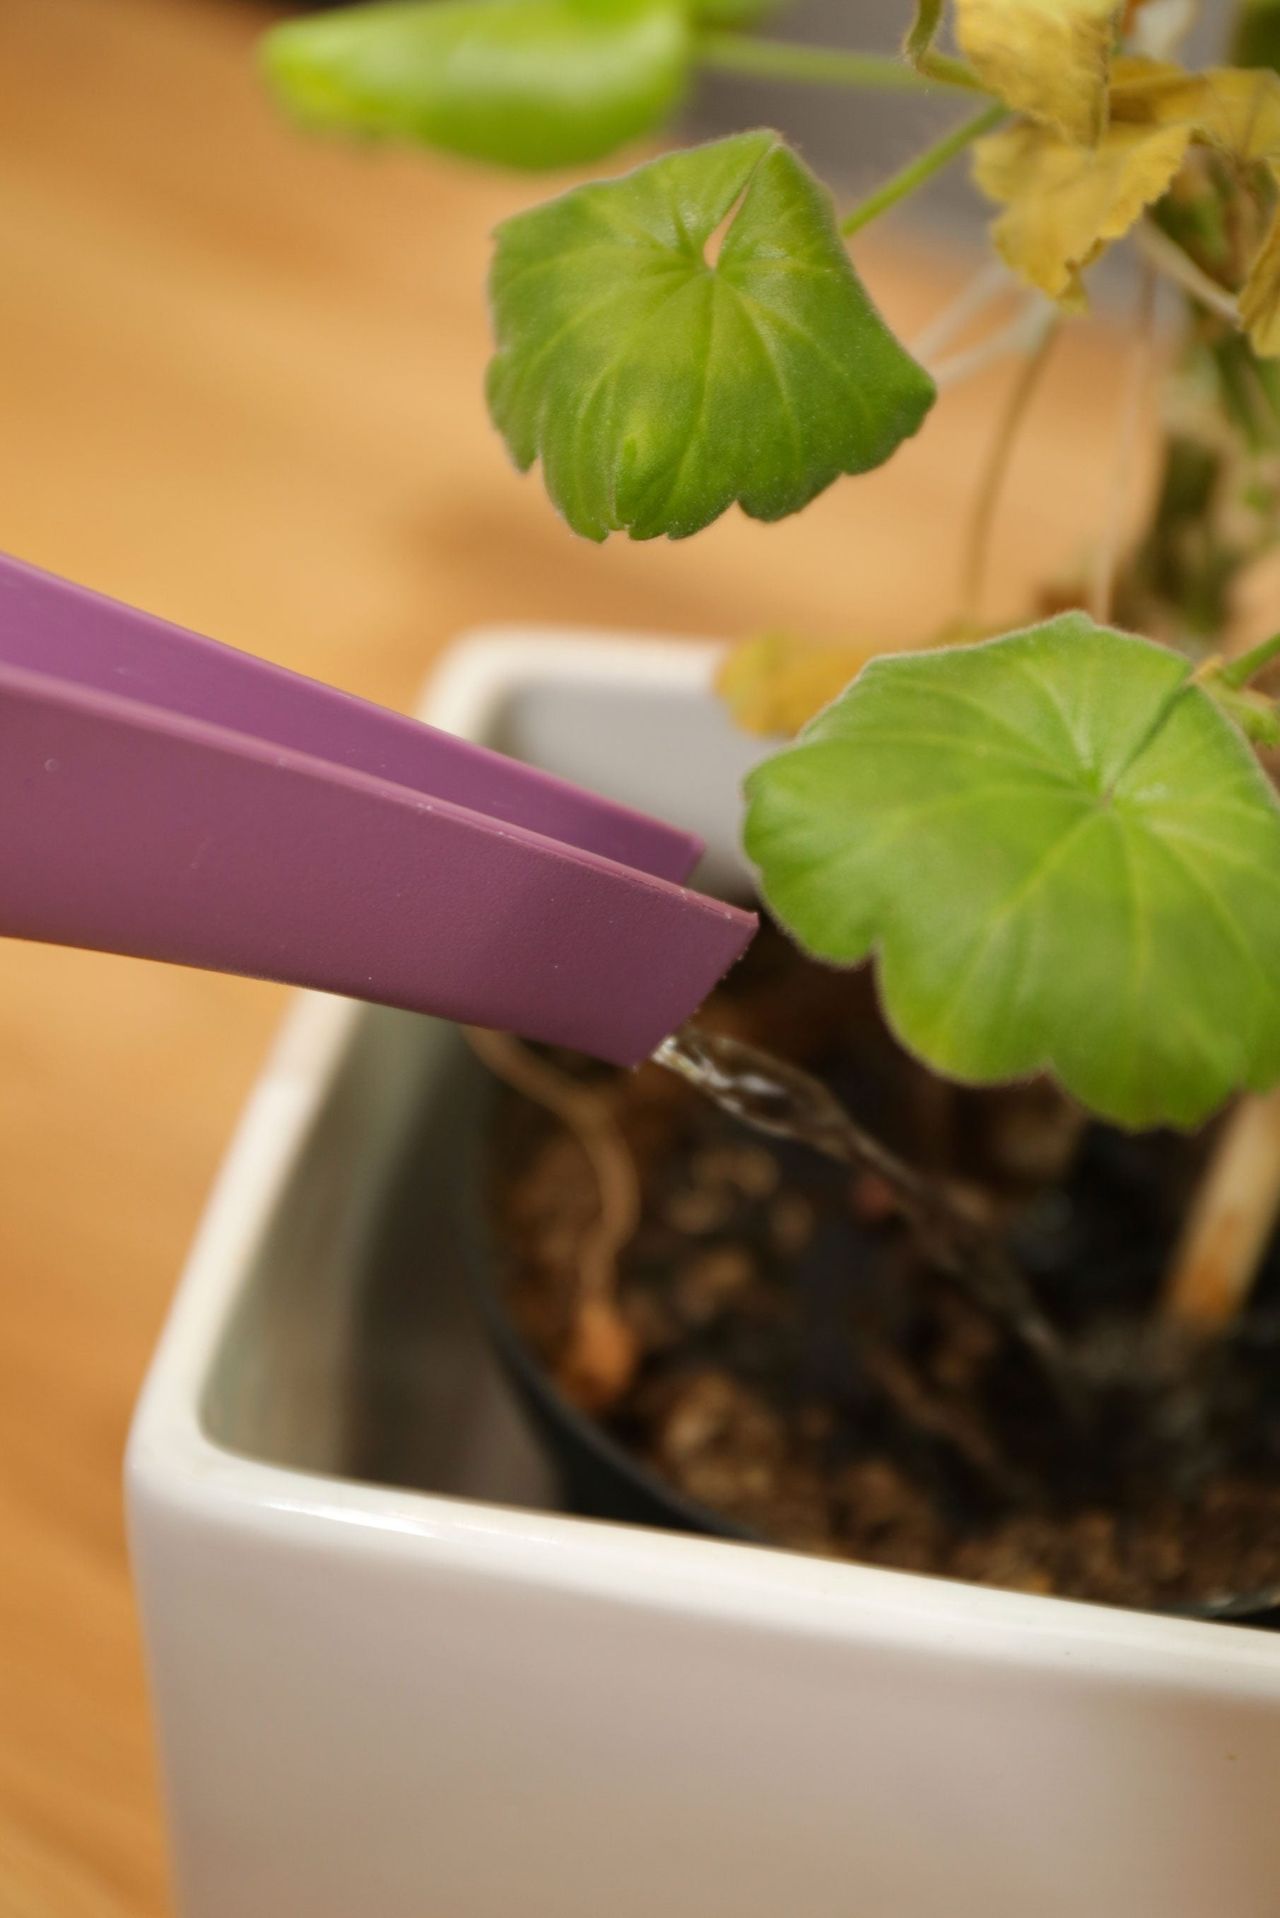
{"x": 1059, "y": 847}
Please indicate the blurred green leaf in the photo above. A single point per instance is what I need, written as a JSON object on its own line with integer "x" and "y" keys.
{"x": 522, "y": 83}
{"x": 1257, "y": 35}
{"x": 1062, "y": 851}
{"x": 658, "y": 386}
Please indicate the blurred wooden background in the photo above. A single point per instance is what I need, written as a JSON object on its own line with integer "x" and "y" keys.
{"x": 240, "y": 385}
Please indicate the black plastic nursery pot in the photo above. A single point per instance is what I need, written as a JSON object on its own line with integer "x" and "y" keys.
{"x": 600, "y": 1479}
{"x": 598, "y": 1476}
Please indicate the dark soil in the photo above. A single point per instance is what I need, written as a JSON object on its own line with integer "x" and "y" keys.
{"x": 793, "y": 1363}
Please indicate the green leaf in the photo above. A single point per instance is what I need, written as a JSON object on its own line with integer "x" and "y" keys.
{"x": 1064, "y": 854}
{"x": 656, "y": 386}
{"x": 523, "y": 83}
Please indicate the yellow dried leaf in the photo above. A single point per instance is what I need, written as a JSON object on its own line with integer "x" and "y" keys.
{"x": 1260, "y": 296}
{"x": 1048, "y": 58}
{"x": 1236, "y": 109}
{"x": 1064, "y": 204}
{"x": 774, "y": 683}
{"x": 1140, "y": 87}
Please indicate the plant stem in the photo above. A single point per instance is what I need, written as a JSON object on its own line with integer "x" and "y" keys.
{"x": 996, "y": 470}
{"x": 1132, "y": 406}
{"x": 1240, "y": 671}
{"x": 1178, "y": 267}
{"x": 600, "y": 1352}
{"x": 914, "y": 175}
{"x": 1231, "y": 1221}
{"x": 923, "y": 30}
{"x": 947, "y": 72}
{"x": 990, "y": 280}
{"x": 1021, "y": 334}
{"x": 826, "y": 66}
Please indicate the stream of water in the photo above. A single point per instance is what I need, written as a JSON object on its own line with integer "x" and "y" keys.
{"x": 775, "y": 1097}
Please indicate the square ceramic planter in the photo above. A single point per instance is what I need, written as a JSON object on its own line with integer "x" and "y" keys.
{"x": 391, "y": 1679}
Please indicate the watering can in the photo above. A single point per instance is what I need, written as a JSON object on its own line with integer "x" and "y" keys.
{"x": 168, "y": 797}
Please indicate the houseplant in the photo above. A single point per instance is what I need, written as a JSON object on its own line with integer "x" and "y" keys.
{"x": 1059, "y": 847}
{"x": 385, "y": 1666}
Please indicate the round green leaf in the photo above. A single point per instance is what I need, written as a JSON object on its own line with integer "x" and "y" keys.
{"x": 523, "y": 83}
{"x": 658, "y": 386}
{"x": 1064, "y": 854}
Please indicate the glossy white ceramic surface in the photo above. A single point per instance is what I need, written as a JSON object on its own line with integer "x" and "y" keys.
{"x": 452, "y": 1702}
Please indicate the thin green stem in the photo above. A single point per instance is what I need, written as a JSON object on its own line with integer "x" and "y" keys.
{"x": 826, "y": 66}
{"x": 1240, "y": 671}
{"x": 914, "y": 175}
{"x": 996, "y": 468}
{"x": 1168, "y": 258}
{"x": 923, "y": 30}
{"x": 944, "y": 71}
{"x": 1130, "y": 410}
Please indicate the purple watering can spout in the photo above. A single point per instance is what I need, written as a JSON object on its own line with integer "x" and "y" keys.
{"x": 167, "y": 797}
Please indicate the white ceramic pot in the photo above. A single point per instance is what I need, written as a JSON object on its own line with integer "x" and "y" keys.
{"x": 391, "y": 1681}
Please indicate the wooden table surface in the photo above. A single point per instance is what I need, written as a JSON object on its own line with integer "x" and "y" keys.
{"x": 240, "y": 385}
